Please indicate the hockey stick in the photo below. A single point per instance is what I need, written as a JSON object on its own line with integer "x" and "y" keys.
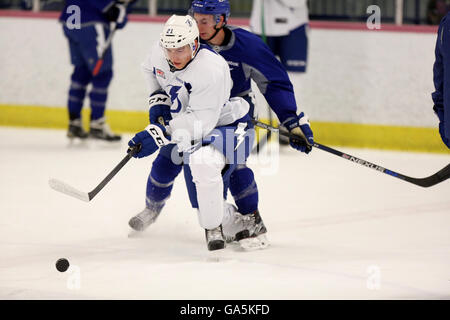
{"x": 262, "y": 142}
{"x": 63, "y": 187}
{"x": 113, "y": 28}
{"x": 426, "y": 182}
{"x": 99, "y": 63}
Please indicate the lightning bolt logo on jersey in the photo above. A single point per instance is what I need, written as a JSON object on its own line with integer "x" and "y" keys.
{"x": 179, "y": 92}
{"x": 240, "y": 132}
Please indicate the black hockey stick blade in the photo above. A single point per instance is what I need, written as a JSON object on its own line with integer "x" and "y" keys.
{"x": 432, "y": 180}
{"x": 67, "y": 189}
{"x": 426, "y": 182}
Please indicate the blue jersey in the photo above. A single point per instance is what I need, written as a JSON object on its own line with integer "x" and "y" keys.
{"x": 91, "y": 11}
{"x": 249, "y": 58}
{"x": 441, "y": 73}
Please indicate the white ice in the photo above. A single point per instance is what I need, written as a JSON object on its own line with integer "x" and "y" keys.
{"x": 337, "y": 230}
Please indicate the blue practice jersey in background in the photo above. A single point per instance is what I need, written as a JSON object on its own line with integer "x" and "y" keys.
{"x": 92, "y": 11}
{"x": 441, "y": 72}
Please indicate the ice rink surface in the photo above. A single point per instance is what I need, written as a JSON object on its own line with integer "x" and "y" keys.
{"x": 337, "y": 230}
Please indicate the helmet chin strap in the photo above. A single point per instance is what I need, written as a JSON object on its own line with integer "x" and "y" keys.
{"x": 216, "y": 30}
{"x": 215, "y": 33}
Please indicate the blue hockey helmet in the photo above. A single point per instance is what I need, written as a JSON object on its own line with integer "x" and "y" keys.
{"x": 214, "y": 7}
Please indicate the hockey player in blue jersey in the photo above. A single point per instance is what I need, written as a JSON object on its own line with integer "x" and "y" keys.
{"x": 87, "y": 25}
{"x": 248, "y": 58}
{"x": 441, "y": 75}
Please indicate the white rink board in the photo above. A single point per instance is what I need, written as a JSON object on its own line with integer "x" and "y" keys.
{"x": 353, "y": 76}
{"x": 337, "y": 230}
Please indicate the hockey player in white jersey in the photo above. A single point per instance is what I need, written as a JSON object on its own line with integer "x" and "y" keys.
{"x": 194, "y": 124}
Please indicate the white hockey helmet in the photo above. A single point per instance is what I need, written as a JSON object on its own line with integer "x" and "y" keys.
{"x": 180, "y": 31}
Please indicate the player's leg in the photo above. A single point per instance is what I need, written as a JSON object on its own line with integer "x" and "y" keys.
{"x": 244, "y": 190}
{"x": 241, "y": 141}
{"x": 80, "y": 78}
{"x": 293, "y": 50}
{"x": 94, "y": 38}
{"x": 205, "y": 186}
{"x": 248, "y": 227}
{"x": 293, "y": 53}
{"x": 159, "y": 187}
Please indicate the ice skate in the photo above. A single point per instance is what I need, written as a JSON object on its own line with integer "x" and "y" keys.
{"x": 249, "y": 230}
{"x": 215, "y": 239}
{"x": 142, "y": 220}
{"x": 99, "y": 129}
{"x": 76, "y": 130}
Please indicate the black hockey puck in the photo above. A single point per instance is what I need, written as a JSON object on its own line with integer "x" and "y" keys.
{"x": 62, "y": 265}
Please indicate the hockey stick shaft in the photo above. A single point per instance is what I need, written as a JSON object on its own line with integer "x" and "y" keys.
{"x": 262, "y": 141}
{"x": 113, "y": 172}
{"x": 88, "y": 196}
{"x": 432, "y": 180}
{"x": 99, "y": 63}
{"x": 113, "y": 29}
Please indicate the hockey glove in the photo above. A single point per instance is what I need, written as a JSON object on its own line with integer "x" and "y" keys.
{"x": 440, "y": 113}
{"x": 300, "y": 127}
{"x": 151, "y": 139}
{"x": 159, "y": 108}
{"x": 116, "y": 13}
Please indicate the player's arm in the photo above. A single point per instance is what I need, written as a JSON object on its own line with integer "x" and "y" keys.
{"x": 192, "y": 125}
{"x": 102, "y": 5}
{"x": 441, "y": 73}
{"x": 271, "y": 78}
{"x": 159, "y": 102}
{"x": 154, "y": 135}
{"x": 115, "y": 11}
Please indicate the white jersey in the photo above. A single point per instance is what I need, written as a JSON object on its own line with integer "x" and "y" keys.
{"x": 199, "y": 93}
{"x": 280, "y": 16}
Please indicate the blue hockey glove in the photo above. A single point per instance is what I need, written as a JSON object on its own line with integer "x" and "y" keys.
{"x": 440, "y": 113}
{"x": 150, "y": 139}
{"x": 300, "y": 127}
{"x": 159, "y": 108}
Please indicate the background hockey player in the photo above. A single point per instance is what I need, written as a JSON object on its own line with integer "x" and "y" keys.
{"x": 86, "y": 42}
{"x": 441, "y": 72}
{"x": 283, "y": 25}
{"x": 190, "y": 113}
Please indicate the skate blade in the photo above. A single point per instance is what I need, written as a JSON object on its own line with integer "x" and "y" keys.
{"x": 215, "y": 255}
{"x": 77, "y": 143}
{"x": 256, "y": 243}
{"x": 135, "y": 234}
{"x": 104, "y": 144}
